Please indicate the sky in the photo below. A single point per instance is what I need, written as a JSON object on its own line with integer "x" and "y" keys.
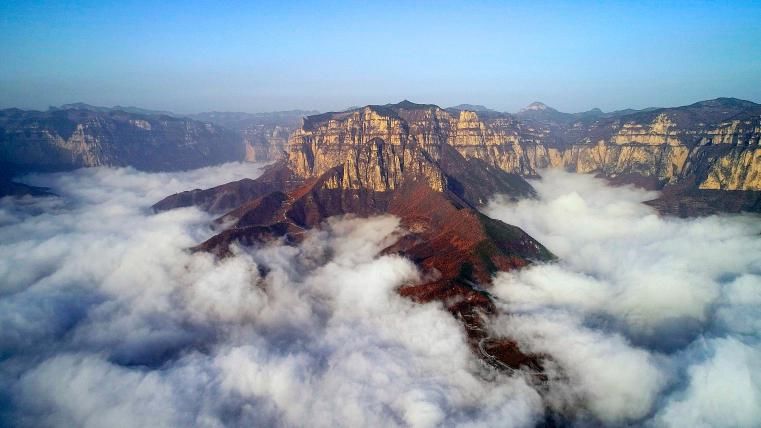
{"x": 190, "y": 56}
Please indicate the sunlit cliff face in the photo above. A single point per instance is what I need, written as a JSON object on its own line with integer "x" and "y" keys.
{"x": 671, "y": 146}
{"x": 107, "y": 319}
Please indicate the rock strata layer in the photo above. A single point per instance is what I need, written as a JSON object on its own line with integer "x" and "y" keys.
{"x": 712, "y": 145}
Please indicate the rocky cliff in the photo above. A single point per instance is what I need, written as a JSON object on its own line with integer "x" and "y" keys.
{"x": 712, "y": 144}
{"x": 68, "y": 138}
{"x": 396, "y": 134}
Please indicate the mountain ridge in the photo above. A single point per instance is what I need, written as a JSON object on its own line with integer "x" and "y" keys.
{"x": 711, "y": 145}
{"x": 65, "y": 139}
{"x": 707, "y": 145}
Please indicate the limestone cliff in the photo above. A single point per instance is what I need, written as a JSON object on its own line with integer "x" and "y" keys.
{"x": 379, "y": 145}
{"x": 711, "y": 145}
{"x": 264, "y": 143}
{"x": 376, "y": 148}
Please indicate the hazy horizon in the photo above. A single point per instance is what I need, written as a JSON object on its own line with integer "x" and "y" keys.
{"x": 348, "y": 107}
{"x": 196, "y": 56}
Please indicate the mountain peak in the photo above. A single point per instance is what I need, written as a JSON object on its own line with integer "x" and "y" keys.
{"x": 471, "y": 107}
{"x": 102, "y": 109}
{"x": 538, "y": 106}
{"x": 409, "y": 105}
{"x": 724, "y": 102}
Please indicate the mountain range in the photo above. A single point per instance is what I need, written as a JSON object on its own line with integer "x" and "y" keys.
{"x": 704, "y": 156}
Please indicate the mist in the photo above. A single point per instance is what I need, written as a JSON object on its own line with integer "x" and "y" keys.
{"x": 107, "y": 320}
{"x": 653, "y": 320}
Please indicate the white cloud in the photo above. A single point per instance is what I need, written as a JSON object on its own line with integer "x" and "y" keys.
{"x": 86, "y": 391}
{"x": 126, "y": 326}
{"x": 107, "y": 320}
{"x": 723, "y": 390}
{"x": 631, "y": 296}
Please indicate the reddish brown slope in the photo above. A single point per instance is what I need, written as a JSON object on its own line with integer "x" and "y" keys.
{"x": 457, "y": 247}
{"x": 231, "y": 195}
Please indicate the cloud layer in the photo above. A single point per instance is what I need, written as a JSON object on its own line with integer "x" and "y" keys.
{"x": 652, "y": 319}
{"x": 106, "y": 319}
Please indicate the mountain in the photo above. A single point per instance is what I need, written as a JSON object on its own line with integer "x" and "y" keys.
{"x": 240, "y": 120}
{"x": 590, "y": 114}
{"x": 64, "y": 139}
{"x": 130, "y": 109}
{"x": 539, "y": 111}
{"x": 548, "y": 116}
{"x": 81, "y": 135}
{"x": 471, "y": 107}
{"x": 694, "y": 149}
{"x": 388, "y": 160}
{"x": 709, "y": 145}
{"x": 537, "y": 106}
{"x": 542, "y": 112}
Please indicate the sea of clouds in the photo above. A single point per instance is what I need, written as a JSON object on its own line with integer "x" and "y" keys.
{"x": 653, "y": 320}
{"x": 107, "y": 320}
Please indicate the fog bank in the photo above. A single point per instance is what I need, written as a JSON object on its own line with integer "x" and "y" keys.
{"x": 107, "y": 320}
{"x": 654, "y": 320}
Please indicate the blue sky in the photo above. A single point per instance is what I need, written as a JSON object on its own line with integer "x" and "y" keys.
{"x": 191, "y": 56}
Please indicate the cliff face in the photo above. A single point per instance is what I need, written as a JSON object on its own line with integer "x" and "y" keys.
{"x": 72, "y": 138}
{"x": 376, "y": 147}
{"x": 711, "y": 145}
{"x": 380, "y": 144}
{"x": 264, "y": 143}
